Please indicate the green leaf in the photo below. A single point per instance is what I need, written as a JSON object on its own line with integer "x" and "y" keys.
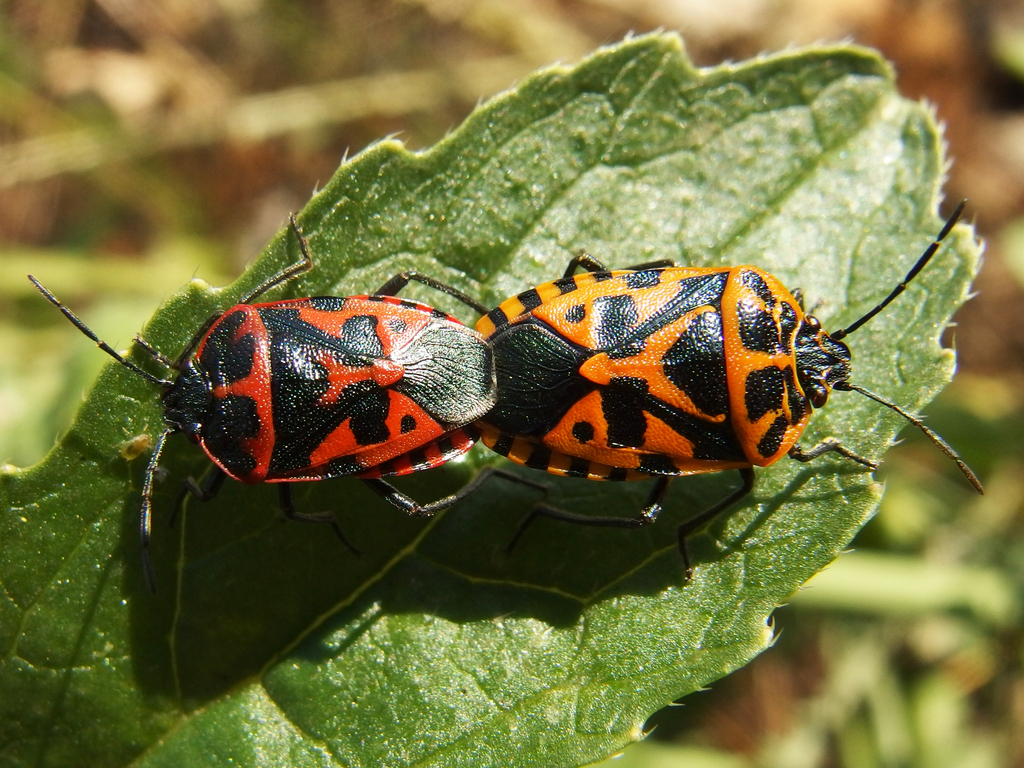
{"x": 270, "y": 644}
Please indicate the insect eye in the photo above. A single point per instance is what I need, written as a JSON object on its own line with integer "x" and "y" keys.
{"x": 818, "y": 394}
{"x": 813, "y": 322}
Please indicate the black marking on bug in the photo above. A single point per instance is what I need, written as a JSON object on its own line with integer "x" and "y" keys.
{"x": 645, "y": 278}
{"x": 565, "y": 285}
{"x": 239, "y": 413}
{"x": 657, "y": 464}
{"x": 498, "y": 317}
{"x": 368, "y": 417}
{"x": 758, "y": 330}
{"x": 695, "y": 363}
{"x": 618, "y": 474}
{"x": 583, "y": 431}
{"x": 625, "y": 351}
{"x": 359, "y": 336}
{"x": 763, "y": 392}
{"x": 770, "y": 443}
{"x": 539, "y": 458}
{"x": 756, "y": 283}
{"x": 578, "y": 467}
{"x": 448, "y": 449}
{"x": 230, "y": 420}
{"x": 445, "y": 446}
{"x": 615, "y": 322}
{"x": 713, "y": 441}
{"x": 614, "y": 318}
{"x": 225, "y": 358}
{"x": 797, "y": 402}
{"x": 327, "y": 303}
{"x": 694, "y": 292}
{"x": 408, "y": 423}
{"x": 342, "y": 466}
{"x": 396, "y": 325}
{"x": 622, "y": 402}
{"x": 788, "y": 323}
{"x": 530, "y": 299}
{"x": 576, "y": 313}
{"x": 503, "y": 445}
{"x": 418, "y": 459}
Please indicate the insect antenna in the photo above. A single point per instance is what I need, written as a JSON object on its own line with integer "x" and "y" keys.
{"x": 921, "y": 262}
{"x": 99, "y": 342}
{"x": 942, "y": 444}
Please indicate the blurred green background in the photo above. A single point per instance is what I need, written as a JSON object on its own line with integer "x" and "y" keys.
{"x": 144, "y": 143}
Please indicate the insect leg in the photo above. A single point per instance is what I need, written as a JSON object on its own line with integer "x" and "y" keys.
{"x": 205, "y": 490}
{"x": 585, "y": 261}
{"x": 695, "y": 523}
{"x": 211, "y": 484}
{"x": 830, "y": 445}
{"x": 645, "y": 517}
{"x": 325, "y": 518}
{"x": 286, "y": 274}
{"x": 392, "y": 495}
{"x": 402, "y": 279}
{"x": 656, "y": 264}
{"x": 283, "y": 276}
{"x": 146, "y": 515}
{"x": 181, "y": 360}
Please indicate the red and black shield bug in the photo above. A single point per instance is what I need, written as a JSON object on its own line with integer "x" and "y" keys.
{"x": 658, "y": 372}
{"x": 317, "y": 388}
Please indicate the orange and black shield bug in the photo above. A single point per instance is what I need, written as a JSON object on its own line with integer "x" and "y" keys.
{"x": 317, "y": 388}
{"x": 662, "y": 371}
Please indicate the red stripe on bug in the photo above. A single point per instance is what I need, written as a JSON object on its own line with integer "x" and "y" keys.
{"x": 255, "y": 386}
